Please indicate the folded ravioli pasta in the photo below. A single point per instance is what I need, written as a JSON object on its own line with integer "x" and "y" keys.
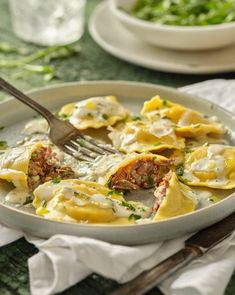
{"x": 212, "y": 166}
{"x": 142, "y": 136}
{"x": 187, "y": 122}
{"x": 136, "y": 171}
{"x": 29, "y": 165}
{"x": 95, "y": 112}
{"x": 83, "y": 201}
{"x": 173, "y": 198}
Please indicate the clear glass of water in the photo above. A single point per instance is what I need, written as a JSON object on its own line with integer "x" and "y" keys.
{"x": 48, "y": 22}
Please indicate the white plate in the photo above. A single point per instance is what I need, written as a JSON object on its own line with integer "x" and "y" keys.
{"x": 131, "y": 95}
{"x": 115, "y": 39}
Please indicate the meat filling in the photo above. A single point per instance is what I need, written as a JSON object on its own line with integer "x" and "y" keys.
{"x": 142, "y": 173}
{"x": 44, "y": 166}
{"x": 160, "y": 191}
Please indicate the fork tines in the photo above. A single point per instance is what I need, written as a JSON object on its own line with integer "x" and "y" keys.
{"x": 85, "y": 148}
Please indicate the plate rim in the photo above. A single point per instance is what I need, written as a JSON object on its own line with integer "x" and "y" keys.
{"x": 172, "y": 68}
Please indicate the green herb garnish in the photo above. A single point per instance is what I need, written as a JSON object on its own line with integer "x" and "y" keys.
{"x": 157, "y": 143}
{"x": 185, "y": 12}
{"x": 45, "y": 56}
{"x": 128, "y": 206}
{"x": 56, "y": 180}
{"x": 33, "y": 155}
{"x": 123, "y": 120}
{"x": 114, "y": 193}
{"x": 3, "y": 144}
{"x": 166, "y": 117}
{"x": 180, "y": 170}
{"x": 44, "y": 204}
{"x": 2, "y": 127}
{"x": 105, "y": 116}
{"x": 28, "y": 200}
{"x": 136, "y": 118}
{"x": 89, "y": 115}
{"x": 186, "y": 150}
{"x": 164, "y": 102}
{"x": 109, "y": 183}
{"x": 197, "y": 126}
{"x": 134, "y": 216}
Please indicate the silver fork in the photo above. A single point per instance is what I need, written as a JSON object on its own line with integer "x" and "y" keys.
{"x": 61, "y": 133}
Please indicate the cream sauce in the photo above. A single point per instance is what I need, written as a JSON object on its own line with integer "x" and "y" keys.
{"x": 36, "y": 126}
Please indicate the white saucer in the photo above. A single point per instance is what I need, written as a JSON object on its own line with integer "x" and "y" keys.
{"x": 115, "y": 39}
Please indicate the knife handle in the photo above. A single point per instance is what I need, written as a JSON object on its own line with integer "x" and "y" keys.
{"x": 150, "y": 278}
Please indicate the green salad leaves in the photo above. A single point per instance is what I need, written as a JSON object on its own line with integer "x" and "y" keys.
{"x": 185, "y": 12}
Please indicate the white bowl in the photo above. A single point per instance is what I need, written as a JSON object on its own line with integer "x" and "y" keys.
{"x": 173, "y": 37}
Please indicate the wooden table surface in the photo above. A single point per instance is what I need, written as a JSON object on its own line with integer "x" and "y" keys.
{"x": 91, "y": 64}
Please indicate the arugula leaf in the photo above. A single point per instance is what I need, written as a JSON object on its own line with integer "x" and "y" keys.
{"x": 185, "y": 12}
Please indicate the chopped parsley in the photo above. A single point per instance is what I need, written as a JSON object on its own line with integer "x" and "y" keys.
{"x": 128, "y": 206}
{"x": 64, "y": 116}
{"x": 105, "y": 116}
{"x": 115, "y": 193}
{"x": 136, "y": 118}
{"x": 166, "y": 117}
{"x": 33, "y": 155}
{"x": 2, "y": 127}
{"x": 174, "y": 126}
{"x": 180, "y": 170}
{"x": 134, "y": 216}
{"x": 3, "y": 144}
{"x": 56, "y": 180}
{"x": 123, "y": 120}
{"x": 44, "y": 204}
{"x": 82, "y": 142}
{"x": 28, "y": 200}
{"x": 197, "y": 126}
{"x": 86, "y": 197}
{"x": 165, "y": 102}
{"x": 157, "y": 143}
{"x": 89, "y": 115}
{"x": 66, "y": 173}
{"x": 186, "y": 150}
{"x": 109, "y": 183}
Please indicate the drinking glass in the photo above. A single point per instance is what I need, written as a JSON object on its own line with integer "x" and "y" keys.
{"x": 48, "y": 22}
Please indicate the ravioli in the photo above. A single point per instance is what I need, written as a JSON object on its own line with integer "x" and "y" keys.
{"x": 173, "y": 198}
{"x": 211, "y": 166}
{"x": 143, "y": 136}
{"x": 87, "y": 202}
{"x": 94, "y": 112}
{"x": 187, "y": 122}
{"x": 137, "y": 171}
{"x": 29, "y": 165}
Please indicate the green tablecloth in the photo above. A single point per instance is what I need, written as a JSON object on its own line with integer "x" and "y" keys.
{"x": 92, "y": 64}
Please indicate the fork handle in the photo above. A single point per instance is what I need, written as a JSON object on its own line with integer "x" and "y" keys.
{"x": 10, "y": 89}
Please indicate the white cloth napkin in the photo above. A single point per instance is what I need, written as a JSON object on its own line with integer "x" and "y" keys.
{"x": 64, "y": 260}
